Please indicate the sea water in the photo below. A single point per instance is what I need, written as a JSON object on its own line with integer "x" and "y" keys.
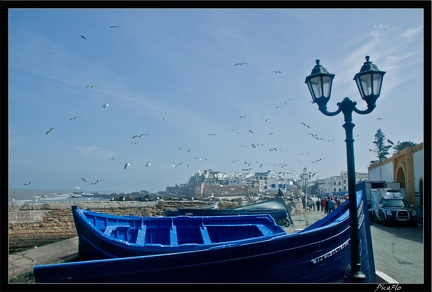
{"x": 22, "y": 196}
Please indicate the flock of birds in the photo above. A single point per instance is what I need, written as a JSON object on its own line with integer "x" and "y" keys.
{"x": 254, "y": 145}
{"x": 248, "y": 163}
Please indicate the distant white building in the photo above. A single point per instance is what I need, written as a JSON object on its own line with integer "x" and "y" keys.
{"x": 271, "y": 183}
{"x": 339, "y": 184}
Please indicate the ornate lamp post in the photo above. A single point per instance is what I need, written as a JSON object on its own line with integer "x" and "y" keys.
{"x": 368, "y": 81}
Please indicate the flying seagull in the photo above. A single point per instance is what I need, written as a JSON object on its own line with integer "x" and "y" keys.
{"x": 126, "y": 165}
{"x": 28, "y": 183}
{"x": 114, "y": 26}
{"x": 148, "y": 163}
{"x": 106, "y": 105}
{"x": 390, "y": 141}
{"x": 285, "y": 102}
{"x": 49, "y": 131}
{"x": 241, "y": 63}
{"x": 74, "y": 118}
{"x": 84, "y": 179}
{"x": 305, "y": 125}
{"x": 139, "y": 136}
{"x": 91, "y": 86}
{"x": 200, "y": 158}
{"x": 276, "y": 71}
{"x": 255, "y": 145}
{"x": 272, "y": 149}
{"x": 112, "y": 158}
{"x": 83, "y": 37}
{"x": 315, "y": 173}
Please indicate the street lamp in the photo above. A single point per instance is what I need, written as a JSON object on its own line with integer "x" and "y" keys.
{"x": 305, "y": 177}
{"x": 368, "y": 81}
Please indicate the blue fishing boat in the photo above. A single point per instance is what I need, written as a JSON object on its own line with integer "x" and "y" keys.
{"x": 320, "y": 253}
{"x": 102, "y": 236}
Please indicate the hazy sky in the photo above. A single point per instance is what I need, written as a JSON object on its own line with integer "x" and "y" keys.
{"x": 171, "y": 74}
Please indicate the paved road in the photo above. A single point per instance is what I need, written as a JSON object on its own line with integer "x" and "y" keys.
{"x": 399, "y": 252}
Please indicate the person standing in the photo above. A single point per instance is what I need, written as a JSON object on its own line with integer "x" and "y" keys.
{"x": 331, "y": 205}
{"x": 318, "y": 203}
{"x": 280, "y": 193}
{"x": 312, "y": 204}
{"x": 338, "y": 202}
{"x": 326, "y": 205}
{"x": 323, "y": 201}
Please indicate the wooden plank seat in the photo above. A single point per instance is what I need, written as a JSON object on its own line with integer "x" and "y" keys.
{"x": 110, "y": 228}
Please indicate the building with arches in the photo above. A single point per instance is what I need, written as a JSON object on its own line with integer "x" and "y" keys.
{"x": 407, "y": 168}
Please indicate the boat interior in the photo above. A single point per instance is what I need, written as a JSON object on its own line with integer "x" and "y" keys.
{"x": 183, "y": 230}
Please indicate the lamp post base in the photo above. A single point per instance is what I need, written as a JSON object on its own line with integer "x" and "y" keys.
{"x": 358, "y": 277}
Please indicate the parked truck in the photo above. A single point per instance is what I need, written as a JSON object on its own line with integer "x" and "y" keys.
{"x": 387, "y": 202}
{"x": 370, "y": 186}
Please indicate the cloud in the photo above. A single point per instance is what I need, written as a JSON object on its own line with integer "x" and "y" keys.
{"x": 412, "y": 32}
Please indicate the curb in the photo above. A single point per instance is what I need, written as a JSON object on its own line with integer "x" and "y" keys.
{"x": 384, "y": 278}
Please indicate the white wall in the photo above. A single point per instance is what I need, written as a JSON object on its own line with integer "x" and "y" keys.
{"x": 383, "y": 172}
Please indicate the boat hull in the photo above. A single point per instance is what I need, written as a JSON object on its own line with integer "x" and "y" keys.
{"x": 103, "y": 236}
{"x": 317, "y": 254}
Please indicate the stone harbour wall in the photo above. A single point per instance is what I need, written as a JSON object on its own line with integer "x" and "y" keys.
{"x": 37, "y": 224}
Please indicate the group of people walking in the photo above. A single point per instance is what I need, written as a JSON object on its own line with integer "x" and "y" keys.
{"x": 326, "y": 204}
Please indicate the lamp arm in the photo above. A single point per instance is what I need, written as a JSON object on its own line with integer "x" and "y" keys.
{"x": 369, "y": 109}
{"x": 323, "y": 108}
{"x": 345, "y": 105}
{"x": 327, "y": 113}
